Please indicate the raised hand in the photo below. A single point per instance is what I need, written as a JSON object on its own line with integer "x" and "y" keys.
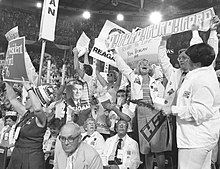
{"x": 194, "y": 27}
{"x": 215, "y": 22}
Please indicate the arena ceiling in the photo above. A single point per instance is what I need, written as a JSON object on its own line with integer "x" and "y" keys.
{"x": 129, "y": 7}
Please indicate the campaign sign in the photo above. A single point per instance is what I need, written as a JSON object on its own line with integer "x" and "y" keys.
{"x": 14, "y": 68}
{"x": 151, "y": 128}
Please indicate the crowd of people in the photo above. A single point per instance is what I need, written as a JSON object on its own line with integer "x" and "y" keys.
{"x": 90, "y": 119}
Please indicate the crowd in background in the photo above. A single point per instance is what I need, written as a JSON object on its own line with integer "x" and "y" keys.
{"x": 105, "y": 126}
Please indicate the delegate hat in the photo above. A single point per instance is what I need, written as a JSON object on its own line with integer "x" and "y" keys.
{"x": 44, "y": 94}
{"x": 11, "y": 113}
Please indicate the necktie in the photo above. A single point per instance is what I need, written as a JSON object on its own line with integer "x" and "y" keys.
{"x": 85, "y": 137}
{"x": 118, "y": 147}
{"x": 182, "y": 78}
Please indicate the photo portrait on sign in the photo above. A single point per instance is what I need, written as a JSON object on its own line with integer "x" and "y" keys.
{"x": 78, "y": 95}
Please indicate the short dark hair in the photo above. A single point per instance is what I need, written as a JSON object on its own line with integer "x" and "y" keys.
{"x": 88, "y": 69}
{"x": 79, "y": 82}
{"x": 121, "y": 91}
{"x": 201, "y": 53}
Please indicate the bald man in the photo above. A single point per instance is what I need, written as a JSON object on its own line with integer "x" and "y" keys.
{"x": 71, "y": 153}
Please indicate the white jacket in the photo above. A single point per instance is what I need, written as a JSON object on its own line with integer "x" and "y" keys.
{"x": 96, "y": 140}
{"x": 136, "y": 81}
{"x": 130, "y": 150}
{"x": 197, "y": 109}
{"x": 172, "y": 74}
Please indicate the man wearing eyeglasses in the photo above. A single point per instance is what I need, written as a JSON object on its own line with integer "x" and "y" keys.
{"x": 120, "y": 150}
{"x": 72, "y": 153}
{"x": 176, "y": 76}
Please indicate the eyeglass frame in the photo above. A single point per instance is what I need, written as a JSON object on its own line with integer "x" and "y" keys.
{"x": 68, "y": 138}
{"x": 183, "y": 57}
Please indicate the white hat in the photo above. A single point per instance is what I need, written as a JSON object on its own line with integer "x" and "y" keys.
{"x": 11, "y": 113}
{"x": 44, "y": 94}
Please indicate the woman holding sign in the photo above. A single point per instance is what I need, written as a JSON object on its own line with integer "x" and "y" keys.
{"x": 30, "y": 130}
{"x": 145, "y": 90}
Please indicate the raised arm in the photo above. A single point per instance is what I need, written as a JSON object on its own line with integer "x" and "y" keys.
{"x": 163, "y": 59}
{"x": 119, "y": 78}
{"x": 195, "y": 36}
{"x": 120, "y": 114}
{"x": 122, "y": 66}
{"x": 11, "y": 95}
{"x": 36, "y": 105}
{"x": 76, "y": 63}
{"x": 101, "y": 80}
{"x": 213, "y": 38}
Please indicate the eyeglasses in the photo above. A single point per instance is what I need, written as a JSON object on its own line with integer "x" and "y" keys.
{"x": 70, "y": 139}
{"x": 183, "y": 58}
{"x": 122, "y": 95}
{"x": 110, "y": 74}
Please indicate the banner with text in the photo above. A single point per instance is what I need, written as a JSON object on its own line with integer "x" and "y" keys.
{"x": 14, "y": 68}
{"x": 48, "y": 19}
{"x": 143, "y": 43}
{"x": 174, "y": 26}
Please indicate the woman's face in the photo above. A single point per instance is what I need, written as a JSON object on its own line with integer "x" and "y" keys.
{"x": 144, "y": 67}
{"x": 110, "y": 77}
{"x": 28, "y": 104}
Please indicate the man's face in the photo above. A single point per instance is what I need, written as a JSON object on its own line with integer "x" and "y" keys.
{"x": 144, "y": 67}
{"x": 121, "y": 98}
{"x": 90, "y": 126}
{"x": 183, "y": 60}
{"x": 69, "y": 140}
{"x": 121, "y": 128}
{"x": 77, "y": 91}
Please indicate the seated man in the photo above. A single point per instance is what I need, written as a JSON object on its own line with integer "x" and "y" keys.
{"x": 71, "y": 152}
{"x": 121, "y": 150}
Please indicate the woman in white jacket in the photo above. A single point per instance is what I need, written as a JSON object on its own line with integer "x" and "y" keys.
{"x": 197, "y": 110}
{"x": 144, "y": 91}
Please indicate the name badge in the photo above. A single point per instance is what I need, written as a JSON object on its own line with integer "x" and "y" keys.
{"x": 120, "y": 154}
{"x": 17, "y": 133}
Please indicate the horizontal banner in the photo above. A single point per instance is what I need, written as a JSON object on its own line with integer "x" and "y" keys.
{"x": 202, "y": 19}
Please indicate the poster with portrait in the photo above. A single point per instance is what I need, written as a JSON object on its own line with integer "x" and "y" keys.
{"x": 100, "y": 49}
{"x": 78, "y": 95}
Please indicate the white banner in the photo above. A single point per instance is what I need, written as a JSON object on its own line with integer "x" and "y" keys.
{"x": 144, "y": 43}
{"x": 82, "y": 44}
{"x": 48, "y": 19}
{"x": 174, "y": 26}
